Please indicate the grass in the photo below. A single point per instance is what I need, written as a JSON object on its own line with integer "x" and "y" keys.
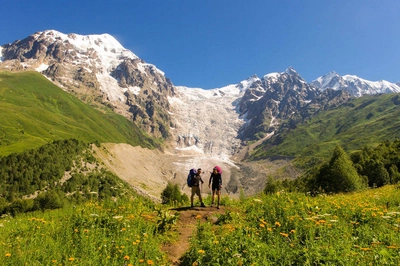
{"x": 279, "y": 229}
{"x": 35, "y": 112}
{"x": 295, "y": 229}
{"x": 123, "y": 233}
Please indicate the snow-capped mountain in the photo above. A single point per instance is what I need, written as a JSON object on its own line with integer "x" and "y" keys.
{"x": 99, "y": 66}
{"x": 99, "y": 70}
{"x": 353, "y": 84}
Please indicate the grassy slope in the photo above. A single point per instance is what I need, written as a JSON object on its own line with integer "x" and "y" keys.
{"x": 363, "y": 121}
{"x": 34, "y": 111}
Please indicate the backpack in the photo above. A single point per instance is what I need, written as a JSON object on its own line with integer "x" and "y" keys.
{"x": 190, "y": 178}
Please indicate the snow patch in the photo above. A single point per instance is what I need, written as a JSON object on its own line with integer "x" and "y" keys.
{"x": 42, "y": 67}
{"x": 135, "y": 90}
{"x": 1, "y": 54}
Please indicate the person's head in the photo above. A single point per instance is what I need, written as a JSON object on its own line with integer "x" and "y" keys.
{"x": 199, "y": 170}
{"x": 215, "y": 170}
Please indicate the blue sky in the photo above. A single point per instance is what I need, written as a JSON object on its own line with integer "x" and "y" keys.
{"x": 213, "y": 43}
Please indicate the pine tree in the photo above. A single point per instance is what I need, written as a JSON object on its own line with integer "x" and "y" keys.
{"x": 339, "y": 175}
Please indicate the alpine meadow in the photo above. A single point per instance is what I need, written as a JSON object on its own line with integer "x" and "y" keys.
{"x": 96, "y": 146}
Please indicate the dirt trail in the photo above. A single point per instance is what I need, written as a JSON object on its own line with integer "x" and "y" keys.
{"x": 188, "y": 218}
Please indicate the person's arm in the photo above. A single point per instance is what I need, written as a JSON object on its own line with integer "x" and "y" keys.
{"x": 209, "y": 182}
{"x": 220, "y": 180}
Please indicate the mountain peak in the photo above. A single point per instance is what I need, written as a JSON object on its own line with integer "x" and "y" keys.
{"x": 353, "y": 84}
{"x": 290, "y": 70}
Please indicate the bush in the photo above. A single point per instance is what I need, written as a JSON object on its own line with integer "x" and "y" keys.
{"x": 48, "y": 201}
{"x": 171, "y": 194}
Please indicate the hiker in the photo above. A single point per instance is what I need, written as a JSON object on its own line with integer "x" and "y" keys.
{"x": 196, "y": 188}
{"x": 216, "y": 179}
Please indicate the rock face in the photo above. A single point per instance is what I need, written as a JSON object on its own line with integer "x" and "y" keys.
{"x": 98, "y": 70}
{"x": 278, "y": 97}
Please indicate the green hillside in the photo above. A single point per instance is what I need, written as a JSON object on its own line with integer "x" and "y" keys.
{"x": 362, "y": 121}
{"x": 34, "y": 112}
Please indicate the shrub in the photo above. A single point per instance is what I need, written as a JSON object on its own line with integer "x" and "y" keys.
{"x": 172, "y": 194}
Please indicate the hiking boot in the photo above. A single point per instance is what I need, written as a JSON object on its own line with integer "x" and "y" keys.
{"x": 218, "y": 207}
{"x": 202, "y": 205}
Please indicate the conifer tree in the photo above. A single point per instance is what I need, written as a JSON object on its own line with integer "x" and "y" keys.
{"x": 339, "y": 175}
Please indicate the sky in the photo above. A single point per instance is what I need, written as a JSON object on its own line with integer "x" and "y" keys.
{"x": 213, "y": 43}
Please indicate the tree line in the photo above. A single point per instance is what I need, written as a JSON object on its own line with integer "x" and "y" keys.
{"x": 368, "y": 167}
{"x": 33, "y": 180}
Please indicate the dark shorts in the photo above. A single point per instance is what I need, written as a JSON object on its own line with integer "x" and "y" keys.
{"x": 216, "y": 187}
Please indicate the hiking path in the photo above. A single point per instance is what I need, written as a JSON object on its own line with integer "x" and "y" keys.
{"x": 186, "y": 226}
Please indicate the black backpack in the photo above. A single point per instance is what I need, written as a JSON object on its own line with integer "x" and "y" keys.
{"x": 190, "y": 179}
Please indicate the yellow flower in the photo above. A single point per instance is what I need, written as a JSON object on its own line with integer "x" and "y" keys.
{"x": 292, "y": 231}
{"x": 141, "y": 260}
{"x": 76, "y": 230}
{"x": 71, "y": 259}
{"x": 126, "y": 257}
{"x": 8, "y": 255}
{"x": 150, "y": 262}
{"x": 278, "y": 224}
{"x": 201, "y": 251}
{"x": 283, "y": 234}
{"x": 262, "y": 225}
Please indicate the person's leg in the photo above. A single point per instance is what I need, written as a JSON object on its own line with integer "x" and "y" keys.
{"x": 212, "y": 197}
{"x": 191, "y": 197}
{"x": 219, "y": 196}
{"x": 200, "y": 198}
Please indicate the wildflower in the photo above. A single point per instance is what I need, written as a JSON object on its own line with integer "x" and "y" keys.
{"x": 278, "y": 224}
{"x": 292, "y": 231}
{"x": 284, "y": 235}
{"x": 86, "y": 231}
{"x": 126, "y": 257}
{"x": 141, "y": 260}
{"x": 201, "y": 251}
{"x": 195, "y": 263}
{"x": 76, "y": 230}
{"x": 53, "y": 261}
{"x": 262, "y": 225}
{"x": 150, "y": 262}
{"x": 269, "y": 229}
{"x": 8, "y": 255}
{"x": 391, "y": 247}
{"x": 123, "y": 229}
{"x": 71, "y": 259}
